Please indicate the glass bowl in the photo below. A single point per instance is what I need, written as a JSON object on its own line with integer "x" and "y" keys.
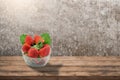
{"x": 36, "y": 62}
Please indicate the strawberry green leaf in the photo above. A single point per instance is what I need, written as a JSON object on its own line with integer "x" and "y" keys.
{"x": 38, "y": 46}
{"x": 22, "y": 38}
{"x": 47, "y": 38}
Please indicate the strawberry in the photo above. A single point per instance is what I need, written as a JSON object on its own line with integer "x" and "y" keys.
{"x": 44, "y": 51}
{"x": 29, "y": 40}
{"x": 38, "y": 39}
{"x": 26, "y": 47}
{"x": 33, "y": 53}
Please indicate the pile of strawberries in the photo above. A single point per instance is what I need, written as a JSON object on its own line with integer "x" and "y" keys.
{"x": 36, "y": 47}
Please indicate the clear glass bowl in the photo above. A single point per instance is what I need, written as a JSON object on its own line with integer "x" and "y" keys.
{"x": 36, "y": 62}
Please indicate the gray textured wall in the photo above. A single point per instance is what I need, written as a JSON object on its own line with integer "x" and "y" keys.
{"x": 77, "y": 27}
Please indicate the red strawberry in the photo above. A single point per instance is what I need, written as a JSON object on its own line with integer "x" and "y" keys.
{"x": 38, "y": 39}
{"x": 33, "y": 53}
{"x": 44, "y": 51}
{"x": 29, "y": 40}
{"x": 26, "y": 47}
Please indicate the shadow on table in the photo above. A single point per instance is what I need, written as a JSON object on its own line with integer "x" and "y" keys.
{"x": 49, "y": 69}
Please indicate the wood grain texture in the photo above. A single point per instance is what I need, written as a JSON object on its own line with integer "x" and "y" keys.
{"x": 62, "y": 68}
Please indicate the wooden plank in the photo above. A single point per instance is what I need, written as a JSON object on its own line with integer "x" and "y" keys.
{"x": 28, "y": 78}
{"x": 67, "y": 63}
{"x": 79, "y": 66}
{"x": 61, "y": 68}
{"x": 90, "y": 78}
{"x": 61, "y": 78}
{"x": 37, "y": 73}
{"x": 67, "y": 58}
{"x": 58, "y": 68}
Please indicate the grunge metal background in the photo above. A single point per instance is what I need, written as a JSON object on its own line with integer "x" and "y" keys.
{"x": 77, "y": 27}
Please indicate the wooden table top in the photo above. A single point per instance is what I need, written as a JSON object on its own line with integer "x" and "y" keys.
{"x": 62, "y": 68}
